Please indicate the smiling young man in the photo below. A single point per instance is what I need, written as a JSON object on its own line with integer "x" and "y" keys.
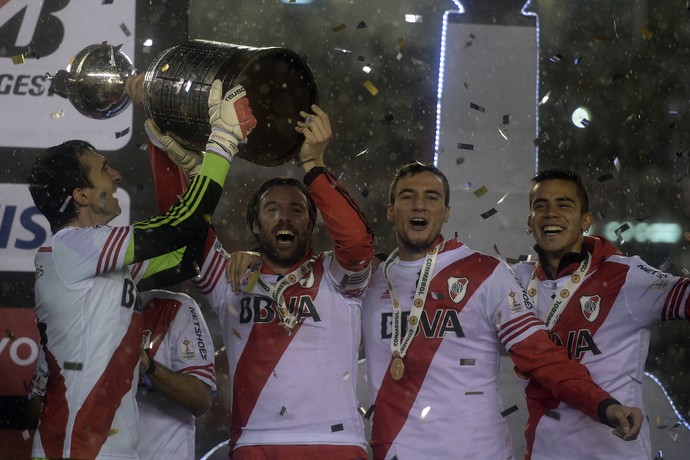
{"x": 292, "y": 330}
{"x": 88, "y": 312}
{"x": 434, "y": 320}
{"x": 600, "y": 305}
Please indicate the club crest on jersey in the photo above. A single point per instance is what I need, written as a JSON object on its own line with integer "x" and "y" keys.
{"x": 187, "y": 349}
{"x": 590, "y": 307}
{"x": 457, "y": 288}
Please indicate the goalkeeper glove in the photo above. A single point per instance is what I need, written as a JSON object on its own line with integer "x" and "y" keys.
{"x": 231, "y": 119}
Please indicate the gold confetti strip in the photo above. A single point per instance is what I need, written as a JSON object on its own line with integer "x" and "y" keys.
{"x": 113, "y": 431}
{"x": 339, "y": 27}
{"x": 252, "y": 281}
{"x": 646, "y": 33}
{"x": 483, "y": 190}
{"x": 401, "y": 43}
{"x": 165, "y": 68}
{"x": 18, "y": 59}
{"x": 371, "y": 88}
{"x": 236, "y": 333}
{"x": 10, "y": 335}
{"x": 59, "y": 114}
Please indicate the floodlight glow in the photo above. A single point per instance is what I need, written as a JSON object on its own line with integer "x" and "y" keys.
{"x": 660, "y": 232}
{"x": 580, "y": 117}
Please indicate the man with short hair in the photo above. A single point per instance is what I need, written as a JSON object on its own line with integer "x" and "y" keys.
{"x": 87, "y": 306}
{"x": 434, "y": 320}
{"x": 598, "y": 304}
{"x": 292, "y": 329}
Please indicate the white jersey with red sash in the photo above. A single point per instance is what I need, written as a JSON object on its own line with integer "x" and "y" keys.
{"x": 179, "y": 339}
{"x": 447, "y": 403}
{"x": 298, "y": 387}
{"x": 93, "y": 345}
{"x": 605, "y": 325}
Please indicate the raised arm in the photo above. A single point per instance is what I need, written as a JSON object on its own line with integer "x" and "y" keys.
{"x": 347, "y": 225}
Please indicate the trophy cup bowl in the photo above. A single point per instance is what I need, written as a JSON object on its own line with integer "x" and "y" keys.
{"x": 176, "y": 86}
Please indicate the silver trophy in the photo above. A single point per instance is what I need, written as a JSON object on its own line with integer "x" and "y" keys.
{"x": 278, "y": 81}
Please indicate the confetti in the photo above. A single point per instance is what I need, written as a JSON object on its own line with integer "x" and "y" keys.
{"x": 10, "y": 335}
{"x": 437, "y": 295}
{"x": 545, "y": 99}
{"x": 489, "y": 213}
{"x": 401, "y": 43}
{"x": 483, "y": 190}
{"x": 361, "y": 58}
{"x": 337, "y": 427}
{"x": 362, "y": 25}
{"x": 339, "y": 27}
{"x": 503, "y": 132}
{"x": 666, "y": 264}
{"x": 503, "y": 198}
{"x": 524, "y": 258}
{"x": 646, "y": 33}
{"x": 373, "y": 90}
{"x": 509, "y": 411}
{"x": 619, "y": 233}
{"x": 413, "y": 18}
{"x": 474, "y": 393}
{"x": 236, "y": 333}
{"x": 343, "y": 50}
{"x": 165, "y": 68}
{"x": 553, "y": 414}
{"x": 477, "y": 107}
{"x": 425, "y": 412}
{"x": 26, "y": 435}
{"x": 122, "y": 133}
{"x": 365, "y": 192}
{"x": 605, "y": 177}
{"x": 577, "y": 60}
{"x": 556, "y": 57}
{"x": 543, "y": 137}
{"x": 465, "y": 146}
{"x": 369, "y": 412}
{"x": 466, "y": 85}
{"x": 113, "y": 431}
{"x": 125, "y": 30}
{"x": 18, "y": 59}
{"x": 459, "y": 161}
{"x": 498, "y": 253}
{"x": 468, "y": 362}
{"x": 506, "y": 119}
{"x": 107, "y": 2}
{"x": 387, "y": 119}
{"x": 71, "y": 366}
{"x": 617, "y": 164}
{"x": 283, "y": 411}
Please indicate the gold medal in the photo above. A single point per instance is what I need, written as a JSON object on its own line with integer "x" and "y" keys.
{"x": 397, "y": 368}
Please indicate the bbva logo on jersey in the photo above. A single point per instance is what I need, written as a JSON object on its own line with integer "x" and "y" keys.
{"x": 590, "y": 307}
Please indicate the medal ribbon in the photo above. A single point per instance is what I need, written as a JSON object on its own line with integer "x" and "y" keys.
{"x": 561, "y": 300}
{"x": 288, "y": 320}
{"x": 399, "y": 346}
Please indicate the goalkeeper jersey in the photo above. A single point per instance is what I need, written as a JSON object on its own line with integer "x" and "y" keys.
{"x": 90, "y": 321}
